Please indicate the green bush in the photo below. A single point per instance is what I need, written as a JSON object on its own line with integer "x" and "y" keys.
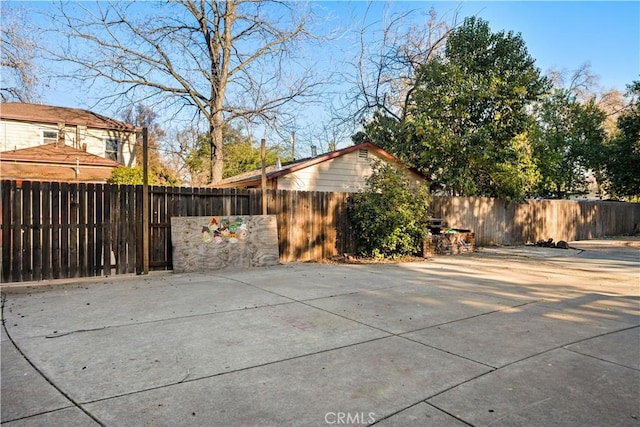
{"x": 127, "y": 176}
{"x": 389, "y": 216}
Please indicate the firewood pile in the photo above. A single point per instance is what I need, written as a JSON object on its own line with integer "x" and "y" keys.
{"x": 447, "y": 241}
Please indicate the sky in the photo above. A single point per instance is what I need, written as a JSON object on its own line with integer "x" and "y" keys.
{"x": 558, "y": 35}
{"x": 564, "y": 35}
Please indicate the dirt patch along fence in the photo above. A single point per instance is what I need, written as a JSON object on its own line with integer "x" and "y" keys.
{"x": 497, "y": 221}
{"x": 52, "y": 230}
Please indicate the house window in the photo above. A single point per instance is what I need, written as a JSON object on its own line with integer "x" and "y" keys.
{"x": 111, "y": 148}
{"x": 49, "y": 136}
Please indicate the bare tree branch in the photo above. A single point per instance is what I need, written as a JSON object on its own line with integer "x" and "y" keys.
{"x": 20, "y": 75}
{"x": 384, "y": 73}
{"x": 223, "y": 58}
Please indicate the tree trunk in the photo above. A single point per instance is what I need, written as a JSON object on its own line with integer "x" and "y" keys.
{"x": 217, "y": 160}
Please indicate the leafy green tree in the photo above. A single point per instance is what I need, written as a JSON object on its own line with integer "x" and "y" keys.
{"x": 389, "y": 217}
{"x": 470, "y": 111}
{"x": 240, "y": 153}
{"x": 568, "y": 143}
{"x": 467, "y": 121}
{"x": 622, "y": 164}
{"x": 125, "y": 175}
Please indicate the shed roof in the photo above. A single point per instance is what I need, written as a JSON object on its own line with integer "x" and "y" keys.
{"x": 50, "y": 114}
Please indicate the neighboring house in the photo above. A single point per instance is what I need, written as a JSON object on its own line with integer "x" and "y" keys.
{"x": 33, "y": 125}
{"x": 55, "y": 162}
{"x": 343, "y": 170}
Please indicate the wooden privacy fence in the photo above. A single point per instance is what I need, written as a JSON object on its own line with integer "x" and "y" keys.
{"x": 497, "y": 221}
{"x": 52, "y": 230}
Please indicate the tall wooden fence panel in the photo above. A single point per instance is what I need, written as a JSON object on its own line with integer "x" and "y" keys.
{"x": 496, "y": 221}
{"x": 52, "y": 230}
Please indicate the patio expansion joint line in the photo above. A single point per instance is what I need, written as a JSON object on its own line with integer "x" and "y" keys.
{"x": 37, "y": 414}
{"x": 523, "y": 359}
{"x": 427, "y": 403}
{"x": 400, "y": 334}
{"x": 456, "y": 385}
{"x": 599, "y": 358}
{"x": 47, "y": 379}
{"x": 562, "y": 346}
{"x": 303, "y": 302}
{"x": 472, "y": 317}
{"x": 491, "y": 368}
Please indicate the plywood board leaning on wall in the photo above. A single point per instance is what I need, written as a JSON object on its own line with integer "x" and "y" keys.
{"x": 204, "y": 243}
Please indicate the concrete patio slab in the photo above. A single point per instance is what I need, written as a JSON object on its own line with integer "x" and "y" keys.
{"x": 408, "y": 308}
{"x": 112, "y": 303}
{"x": 620, "y": 347}
{"x": 593, "y": 305}
{"x": 524, "y": 338}
{"x": 24, "y": 391}
{"x": 128, "y": 359}
{"x": 500, "y": 338}
{"x": 308, "y": 281}
{"x": 379, "y": 378}
{"x": 557, "y": 388}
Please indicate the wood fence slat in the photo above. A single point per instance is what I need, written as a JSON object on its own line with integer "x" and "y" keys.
{"x": 37, "y": 231}
{"x": 16, "y": 237}
{"x": 121, "y": 230}
{"x": 131, "y": 235}
{"x": 73, "y": 229}
{"x": 83, "y": 226}
{"x": 7, "y": 189}
{"x": 27, "y": 248}
{"x": 107, "y": 191}
{"x": 46, "y": 230}
{"x": 64, "y": 229}
{"x": 90, "y": 266}
{"x": 164, "y": 216}
{"x": 56, "y": 228}
{"x": 156, "y": 245}
{"x": 99, "y": 256}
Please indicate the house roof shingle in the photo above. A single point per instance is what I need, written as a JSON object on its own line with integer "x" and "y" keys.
{"x": 55, "y": 163}
{"x": 51, "y": 114}
{"x": 54, "y": 153}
